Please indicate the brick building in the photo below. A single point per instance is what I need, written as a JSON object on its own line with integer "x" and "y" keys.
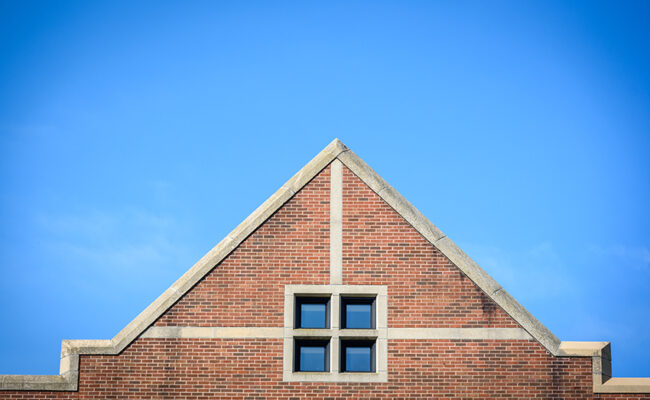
{"x": 335, "y": 287}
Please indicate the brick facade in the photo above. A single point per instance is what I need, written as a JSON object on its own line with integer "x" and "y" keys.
{"x": 425, "y": 290}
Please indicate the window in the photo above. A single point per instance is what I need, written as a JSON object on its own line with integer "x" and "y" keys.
{"x": 312, "y": 313}
{"x": 358, "y": 313}
{"x": 335, "y": 333}
{"x": 311, "y": 355}
{"x": 357, "y": 356}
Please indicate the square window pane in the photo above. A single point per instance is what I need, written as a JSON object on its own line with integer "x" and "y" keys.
{"x": 357, "y": 359}
{"x": 358, "y": 355}
{"x": 312, "y": 358}
{"x": 358, "y": 312}
{"x": 311, "y": 355}
{"x": 312, "y": 312}
{"x": 313, "y": 315}
{"x": 358, "y": 316}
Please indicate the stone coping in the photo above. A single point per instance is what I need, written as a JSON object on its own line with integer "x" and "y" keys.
{"x": 600, "y": 352}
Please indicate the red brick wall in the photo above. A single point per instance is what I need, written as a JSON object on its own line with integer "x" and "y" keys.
{"x": 292, "y": 247}
{"x": 252, "y": 369}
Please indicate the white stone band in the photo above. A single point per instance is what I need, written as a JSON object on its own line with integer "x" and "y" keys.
{"x": 195, "y": 332}
{"x": 336, "y": 223}
{"x": 459, "y": 333}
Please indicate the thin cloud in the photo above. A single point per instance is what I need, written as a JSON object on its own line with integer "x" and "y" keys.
{"x": 99, "y": 247}
{"x": 535, "y": 272}
{"x": 637, "y": 256}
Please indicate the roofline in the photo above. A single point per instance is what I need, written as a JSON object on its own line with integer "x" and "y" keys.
{"x": 71, "y": 349}
{"x": 457, "y": 256}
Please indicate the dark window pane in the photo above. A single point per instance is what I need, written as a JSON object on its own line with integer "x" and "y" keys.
{"x": 312, "y": 358}
{"x": 311, "y": 355}
{"x": 313, "y": 315}
{"x": 358, "y": 312}
{"x": 358, "y": 316}
{"x": 312, "y": 312}
{"x": 358, "y": 355}
{"x": 358, "y": 359}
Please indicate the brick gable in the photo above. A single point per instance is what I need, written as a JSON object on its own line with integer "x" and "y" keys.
{"x": 292, "y": 247}
{"x": 425, "y": 291}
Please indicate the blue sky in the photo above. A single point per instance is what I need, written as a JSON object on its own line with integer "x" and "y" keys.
{"x": 133, "y": 138}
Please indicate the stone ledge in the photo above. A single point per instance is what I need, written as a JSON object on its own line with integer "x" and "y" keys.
{"x": 38, "y": 382}
{"x": 68, "y": 377}
{"x": 581, "y": 349}
{"x": 624, "y": 385}
{"x": 600, "y": 353}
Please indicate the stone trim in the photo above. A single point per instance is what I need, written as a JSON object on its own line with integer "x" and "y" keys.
{"x": 380, "y": 333}
{"x": 195, "y": 332}
{"x": 600, "y": 352}
{"x": 336, "y": 223}
{"x": 624, "y": 385}
{"x": 68, "y": 377}
{"x": 459, "y": 333}
{"x": 252, "y": 332}
{"x": 336, "y": 150}
{"x": 38, "y": 382}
